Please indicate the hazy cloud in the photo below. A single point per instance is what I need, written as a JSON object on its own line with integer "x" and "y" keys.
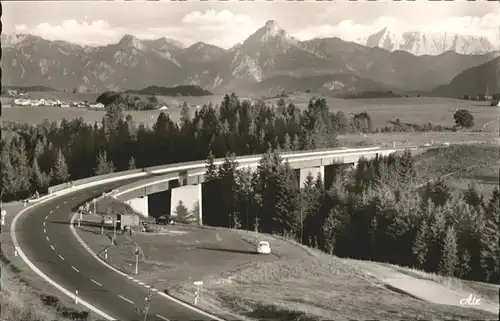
{"x": 227, "y": 24}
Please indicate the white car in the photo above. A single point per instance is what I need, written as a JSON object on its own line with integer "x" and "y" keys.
{"x": 263, "y": 248}
{"x": 445, "y": 144}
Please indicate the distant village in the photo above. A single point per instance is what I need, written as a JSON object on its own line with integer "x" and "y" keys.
{"x": 55, "y": 103}
{"x": 22, "y": 99}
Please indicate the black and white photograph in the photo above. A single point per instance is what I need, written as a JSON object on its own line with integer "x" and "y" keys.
{"x": 250, "y": 160}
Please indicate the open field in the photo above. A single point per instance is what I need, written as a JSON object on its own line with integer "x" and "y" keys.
{"x": 477, "y": 164}
{"x": 24, "y": 295}
{"x": 485, "y": 178}
{"x": 418, "y": 138}
{"x": 413, "y": 110}
{"x": 295, "y": 282}
{"x": 408, "y": 110}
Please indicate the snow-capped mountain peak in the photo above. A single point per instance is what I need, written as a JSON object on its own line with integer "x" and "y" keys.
{"x": 429, "y": 43}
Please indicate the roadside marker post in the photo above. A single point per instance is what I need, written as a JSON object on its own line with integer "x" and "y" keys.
{"x": 4, "y": 213}
{"x": 106, "y": 254}
{"x": 197, "y": 294}
{"x": 114, "y": 232}
{"x": 76, "y": 296}
{"x": 136, "y": 253}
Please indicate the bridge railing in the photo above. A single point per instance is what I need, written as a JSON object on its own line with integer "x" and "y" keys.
{"x": 196, "y": 164}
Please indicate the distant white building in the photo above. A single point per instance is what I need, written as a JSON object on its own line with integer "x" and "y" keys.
{"x": 98, "y": 105}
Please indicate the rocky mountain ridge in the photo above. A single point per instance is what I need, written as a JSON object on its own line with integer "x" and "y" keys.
{"x": 269, "y": 53}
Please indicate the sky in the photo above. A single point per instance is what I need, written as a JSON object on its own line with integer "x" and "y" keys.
{"x": 227, "y": 23}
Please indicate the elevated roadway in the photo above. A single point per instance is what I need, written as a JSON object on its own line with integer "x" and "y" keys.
{"x": 44, "y": 236}
{"x": 44, "y": 240}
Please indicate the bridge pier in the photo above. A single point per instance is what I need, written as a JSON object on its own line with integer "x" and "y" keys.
{"x": 140, "y": 204}
{"x": 186, "y": 203}
{"x": 314, "y": 171}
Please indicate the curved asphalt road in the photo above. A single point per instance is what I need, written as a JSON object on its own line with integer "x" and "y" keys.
{"x": 45, "y": 237}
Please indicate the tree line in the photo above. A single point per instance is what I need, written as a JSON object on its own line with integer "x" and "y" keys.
{"x": 374, "y": 212}
{"x": 36, "y": 156}
{"x": 368, "y": 213}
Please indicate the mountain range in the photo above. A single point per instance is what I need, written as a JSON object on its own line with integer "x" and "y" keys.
{"x": 268, "y": 61}
{"x": 429, "y": 43}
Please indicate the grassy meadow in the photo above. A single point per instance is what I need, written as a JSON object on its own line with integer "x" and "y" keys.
{"x": 409, "y": 110}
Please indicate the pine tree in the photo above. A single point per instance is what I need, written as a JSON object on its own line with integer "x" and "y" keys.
{"x": 104, "y": 166}
{"x": 472, "y": 196}
{"x": 131, "y": 163}
{"x": 8, "y": 172}
{"x": 464, "y": 267}
{"x": 331, "y": 227}
{"x": 40, "y": 179}
{"x": 490, "y": 240}
{"x": 19, "y": 158}
{"x": 407, "y": 170}
{"x": 296, "y": 143}
{"x": 420, "y": 244}
{"x": 287, "y": 145}
{"x": 211, "y": 173}
{"x": 185, "y": 116}
{"x": 449, "y": 255}
{"x": 60, "y": 170}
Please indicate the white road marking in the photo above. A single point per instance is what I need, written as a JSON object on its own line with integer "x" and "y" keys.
{"x": 74, "y": 268}
{"x": 163, "y": 318}
{"x": 43, "y": 223}
{"x": 141, "y": 283}
{"x": 135, "y": 280}
{"x": 61, "y": 257}
{"x": 124, "y": 298}
{"x": 129, "y": 277}
{"x": 147, "y": 286}
{"x": 52, "y": 247}
{"x": 47, "y": 216}
{"x": 154, "y": 290}
{"x": 65, "y": 202}
{"x": 47, "y": 238}
{"x": 74, "y": 198}
{"x": 99, "y": 284}
{"x": 45, "y": 231}
{"x": 57, "y": 206}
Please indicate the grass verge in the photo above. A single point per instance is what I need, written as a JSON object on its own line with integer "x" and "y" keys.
{"x": 310, "y": 285}
{"x": 23, "y": 294}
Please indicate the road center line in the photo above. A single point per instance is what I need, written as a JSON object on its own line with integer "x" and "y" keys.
{"x": 45, "y": 231}
{"x": 163, "y": 318}
{"x": 147, "y": 286}
{"x": 94, "y": 281}
{"x": 57, "y": 206}
{"x": 43, "y": 223}
{"x": 74, "y": 198}
{"x": 47, "y": 238}
{"x": 65, "y": 202}
{"x": 141, "y": 283}
{"x": 52, "y": 247}
{"x": 125, "y": 299}
{"x": 61, "y": 257}
{"x": 74, "y": 268}
{"x": 47, "y": 215}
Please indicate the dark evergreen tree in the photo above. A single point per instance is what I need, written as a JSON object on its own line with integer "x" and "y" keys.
{"x": 449, "y": 257}
{"x": 60, "y": 169}
{"x": 103, "y": 165}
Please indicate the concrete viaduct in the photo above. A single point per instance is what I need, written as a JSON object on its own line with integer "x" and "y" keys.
{"x": 161, "y": 192}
